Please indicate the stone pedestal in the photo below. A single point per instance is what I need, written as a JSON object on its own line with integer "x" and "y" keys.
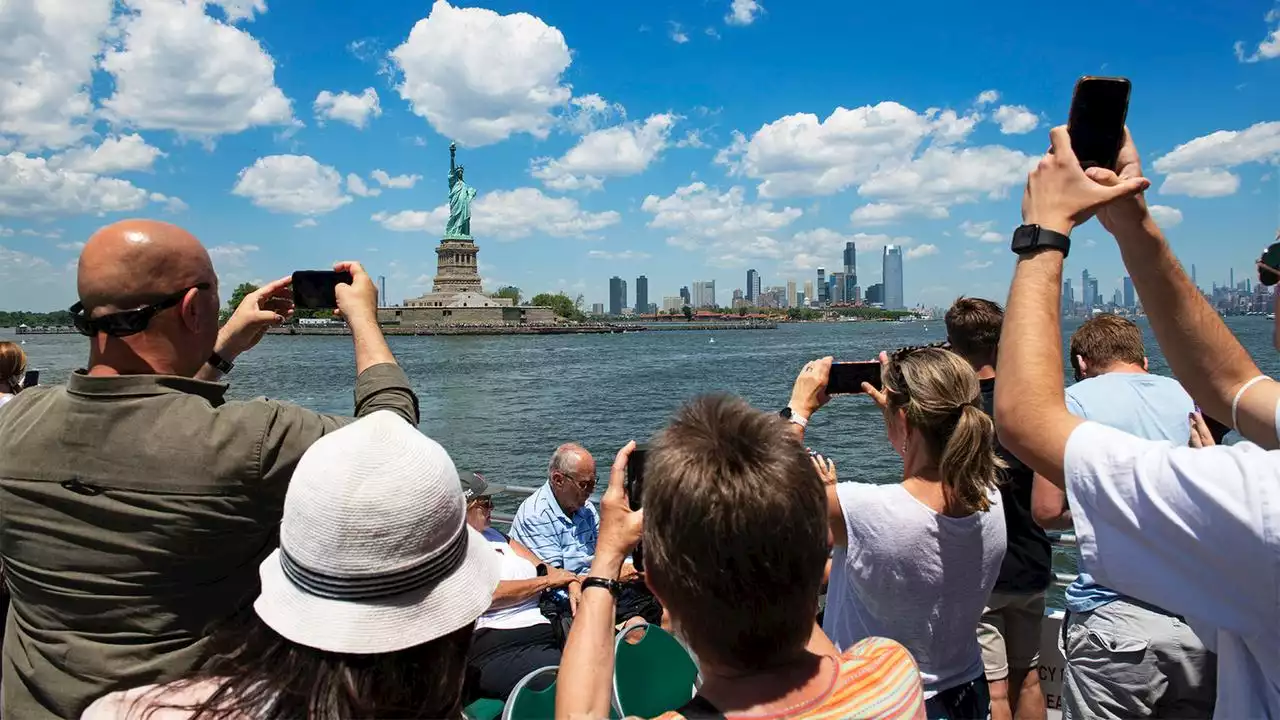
{"x": 457, "y": 270}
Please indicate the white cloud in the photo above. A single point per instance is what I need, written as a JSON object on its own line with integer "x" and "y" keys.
{"x": 591, "y": 112}
{"x": 1225, "y": 149}
{"x": 351, "y": 109}
{"x": 71, "y": 246}
{"x": 171, "y": 204}
{"x": 292, "y": 184}
{"x": 677, "y": 34}
{"x": 743, "y": 12}
{"x": 1166, "y": 216}
{"x": 177, "y": 68}
{"x": 981, "y": 231}
{"x": 822, "y": 247}
{"x": 696, "y": 211}
{"x": 974, "y": 264}
{"x": 1269, "y": 48}
{"x": 622, "y": 150}
{"x": 889, "y": 213}
{"x": 920, "y": 251}
{"x": 509, "y": 214}
{"x": 947, "y": 176}
{"x": 356, "y": 186}
{"x": 396, "y": 182}
{"x": 114, "y": 155}
{"x": 1203, "y": 183}
{"x": 987, "y": 97}
{"x": 712, "y": 32}
{"x": 1015, "y": 119}
{"x": 802, "y": 155}
{"x": 480, "y": 77}
{"x": 29, "y": 186}
{"x": 692, "y": 139}
{"x": 17, "y": 265}
{"x": 306, "y": 223}
{"x": 237, "y": 10}
{"x": 231, "y": 255}
{"x": 621, "y": 255}
{"x": 47, "y": 60}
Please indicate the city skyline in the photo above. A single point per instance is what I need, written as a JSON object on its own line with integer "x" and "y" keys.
{"x": 644, "y": 139}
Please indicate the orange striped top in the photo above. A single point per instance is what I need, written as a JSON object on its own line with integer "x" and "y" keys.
{"x": 878, "y": 680}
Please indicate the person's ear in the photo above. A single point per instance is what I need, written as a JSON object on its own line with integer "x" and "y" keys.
{"x": 193, "y": 314}
{"x": 1144, "y": 363}
{"x": 1082, "y": 365}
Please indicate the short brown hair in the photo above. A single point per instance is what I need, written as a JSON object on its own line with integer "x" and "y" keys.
{"x": 1104, "y": 340}
{"x": 13, "y": 364}
{"x": 973, "y": 327}
{"x": 735, "y": 531}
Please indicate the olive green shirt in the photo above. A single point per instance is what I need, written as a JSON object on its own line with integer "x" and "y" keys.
{"x": 134, "y": 512}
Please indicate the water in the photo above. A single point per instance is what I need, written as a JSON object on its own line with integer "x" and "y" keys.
{"x": 502, "y": 404}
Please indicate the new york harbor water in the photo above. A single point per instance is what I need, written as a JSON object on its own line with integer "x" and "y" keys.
{"x": 501, "y": 404}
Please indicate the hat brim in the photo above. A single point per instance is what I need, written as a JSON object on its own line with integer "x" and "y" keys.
{"x": 492, "y": 490}
{"x": 384, "y": 625}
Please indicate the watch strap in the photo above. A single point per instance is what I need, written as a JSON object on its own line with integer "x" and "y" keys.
{"x": 613, "y": 586}
{"x": 1030, "y": 238}
{"x": 792, "y": 416}
{"x": 217, "y": 362}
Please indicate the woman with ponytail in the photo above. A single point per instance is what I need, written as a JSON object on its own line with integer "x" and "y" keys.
{"x": 13, "y": 365}
{"x": 915, "y": 561}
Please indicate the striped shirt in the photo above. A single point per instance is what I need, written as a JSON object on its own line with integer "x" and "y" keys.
{"x": 878, "y": 680}
{"x": 541, "y": 525}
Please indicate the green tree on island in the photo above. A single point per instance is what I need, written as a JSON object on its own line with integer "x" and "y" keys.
{"x": 237, "y": 297}
{"x": 510, "y": 291}
{"x": 688, "y": 312}
{"x": 563, "y": 305}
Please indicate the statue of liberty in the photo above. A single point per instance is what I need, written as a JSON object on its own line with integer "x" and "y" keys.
{"x": 460, "y": 196}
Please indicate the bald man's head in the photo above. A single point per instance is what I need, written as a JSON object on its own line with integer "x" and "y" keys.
{"x": 134, "y": 262}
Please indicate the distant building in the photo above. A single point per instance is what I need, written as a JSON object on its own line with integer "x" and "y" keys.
{"x": 672, "y": 302}
{"x": 837, "y": 287}
{"x": 808, "y": 293}
{"x": 737, "y": 297}
{"x": 1129, "y": 300}
{"x": 642, "y": 295}
{"x": 753, "y": 286}
{"x": 704, "y": 294}
{"x": 617, "y": 295}
{"x": 822, "y": 286}
{"x": 597, "y": 308}
{"x": 892, "y": 278}
{"x": 800, "y": 299}
{"x": 652, "y": 308}
{"x": 684, "y": 295}
{"x": 875, "y": 294}
{"x": 1068, "y": 298}
{"x": 790, "y": 300}
{"x": 850, "y": 270}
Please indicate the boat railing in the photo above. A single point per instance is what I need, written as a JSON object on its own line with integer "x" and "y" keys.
{"x": 1060, "y": 579}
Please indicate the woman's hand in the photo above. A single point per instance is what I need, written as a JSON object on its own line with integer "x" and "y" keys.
{"x": 1200, "y": 435}
{"x": 620, "y": 526}
{"x": 826, "y": 469}
{"x": 881, "y": 397}
{"x": 810, "y": 390}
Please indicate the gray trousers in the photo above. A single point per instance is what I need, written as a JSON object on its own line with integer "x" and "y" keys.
{"x": 1125, "y": 660}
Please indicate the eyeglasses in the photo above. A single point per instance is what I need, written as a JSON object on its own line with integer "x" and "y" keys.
{"x": 126, "y": 322}
{"x": 897, "y": 356}
{"x": 582, "y": 484}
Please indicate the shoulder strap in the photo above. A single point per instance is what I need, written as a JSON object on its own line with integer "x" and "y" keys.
{"x": 699, "y": 708}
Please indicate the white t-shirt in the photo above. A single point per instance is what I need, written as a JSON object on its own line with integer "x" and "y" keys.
{"x": 1197, "y": 532}
{"x": 912, "y": 575}
{"x": 514, "y": 567}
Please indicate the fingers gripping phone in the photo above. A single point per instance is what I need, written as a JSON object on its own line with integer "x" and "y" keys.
{"x": 1269, "y": 265}
{"x": 317, "y": 289}
{"x": 31, "y": 378}
{"x": 1099, "y": 107}
{"x": 847, "y": 377}
{"x": 635, "y": 491}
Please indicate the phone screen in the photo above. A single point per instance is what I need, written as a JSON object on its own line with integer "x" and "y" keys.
{"x": 314, "y": 289}
{"x": 847, "y": 377}
{"x": 1096, "y": 123}
{"x": 635, "y": 474}
{"x": 31, "y": 379}
{"x": 1270, "y": 258}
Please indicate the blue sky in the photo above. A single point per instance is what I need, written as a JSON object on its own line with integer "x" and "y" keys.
{"x": 681, "y": 140}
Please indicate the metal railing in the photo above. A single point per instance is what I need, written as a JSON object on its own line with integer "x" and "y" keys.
{"x": 1060, "y": 579}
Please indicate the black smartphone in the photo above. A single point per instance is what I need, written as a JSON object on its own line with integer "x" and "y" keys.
{"x": 1269, "y": 272}
{"x": 847, "y": 377}
{"x": 31, "y": 379}
{"x": 314, "y": 289}
{"x": 635, "y": 474}
{"x": 1096, "y": 124}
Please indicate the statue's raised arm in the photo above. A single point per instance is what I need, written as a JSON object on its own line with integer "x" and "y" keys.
{"x": 460, "y": 197}
{"x": 453, "y": 165}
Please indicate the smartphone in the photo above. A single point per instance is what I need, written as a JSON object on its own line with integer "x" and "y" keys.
{"x": 1096, "y": 124}
{"x": 635, "y": 474}
{"x": 31, "y": 379}
{"x": 314, "y": 289}
{"x": 847, "y": 377}
{"x": 1270, "y": 259}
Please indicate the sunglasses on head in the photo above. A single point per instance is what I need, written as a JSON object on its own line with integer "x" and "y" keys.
{"x": 485, "y": 502}
{"x": 897, "y": 356}
{"x": 126, "y": 322}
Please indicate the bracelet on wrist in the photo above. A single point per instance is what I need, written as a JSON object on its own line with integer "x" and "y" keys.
{"x": 613, "y": 586}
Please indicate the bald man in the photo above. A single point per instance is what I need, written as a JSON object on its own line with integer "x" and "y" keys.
{"x": 136, "y": 502}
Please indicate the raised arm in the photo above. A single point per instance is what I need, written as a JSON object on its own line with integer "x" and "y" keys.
{"x": 1030, "y": 408}
{"x": 1203, "y": 354}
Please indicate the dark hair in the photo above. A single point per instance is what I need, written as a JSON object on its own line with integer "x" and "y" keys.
{"x": 735, "y": 531}
{"x": 973, "y": 327}
{"x": 941, "y": 398}
{"x": 265, "y": 676}
{"x": 1106, "y": 339}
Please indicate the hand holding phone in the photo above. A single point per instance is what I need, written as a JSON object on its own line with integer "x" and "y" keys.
{"x": 316, "y": 289}
{"x": 1099, "y": 108}
{"x": 31, "y": 379}
{"x": 1269, "y": 265}
{"x": 635, "y": 475}
{"x": 847, "y": 377}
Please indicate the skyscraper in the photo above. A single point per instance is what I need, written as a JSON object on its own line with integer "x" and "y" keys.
{"x": 684, "y": 295}
{"x": 753, "y": 287}
{"x": 1117, "y": 298}
{"x": 850, "y": 270}
{"x": 704, "y": 294}
{"x": 642, "y": 295}
{"x": 791, "y": 294}
{"x": 1068, "y": 298}
{"x": 808, "y": 292}
{"x": 892, "y": 278}
{"x": 837, "y": 287}
{"x": 1087, "y": 296}
{"x": 875, "y": 294}
{"x": 1129, "y": 300}
{"x": 822, "y": 286}
{"x": 617, "y": 295}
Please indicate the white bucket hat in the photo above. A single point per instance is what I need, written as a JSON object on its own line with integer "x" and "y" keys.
{"x": 375, "y": 553}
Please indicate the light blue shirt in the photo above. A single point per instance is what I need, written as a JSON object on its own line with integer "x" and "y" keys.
{"x": 1152, "y": 407}
{"x": 541, "y": 525}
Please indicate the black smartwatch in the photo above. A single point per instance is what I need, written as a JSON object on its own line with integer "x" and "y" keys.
{"x": 613, "y": 586}
{"x": 1030, "y": 238}
{"x": 217, "y": 363}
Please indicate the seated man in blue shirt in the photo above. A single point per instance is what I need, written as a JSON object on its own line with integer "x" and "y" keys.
{"x": 1125, "y": 658}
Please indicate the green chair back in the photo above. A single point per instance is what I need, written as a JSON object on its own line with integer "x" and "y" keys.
{"x": 483, "y": 709}
{"x": 653, "y": 676}
{"x": 534, "y": 697}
